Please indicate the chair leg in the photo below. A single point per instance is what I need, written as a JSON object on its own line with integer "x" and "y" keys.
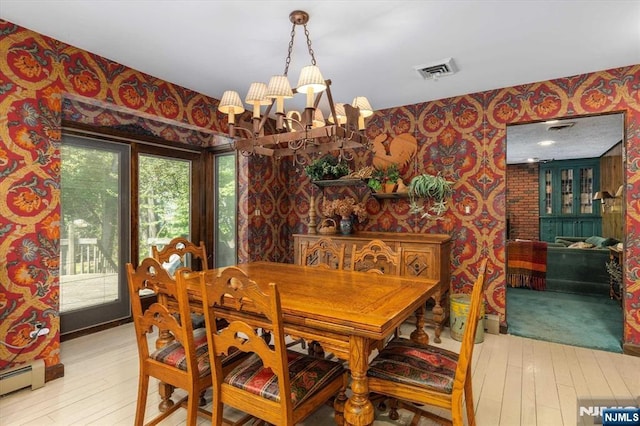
{"x": 393, "y": 409}
{"x": 143, "y": 390}
{"x": 468, "y": 400}
{"x": 192, "y": 409}
{"x": 339, "y": 402}
{"x": 456, "y": 411}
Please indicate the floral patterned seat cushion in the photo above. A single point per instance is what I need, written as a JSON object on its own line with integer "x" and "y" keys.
{"x": 173, "y": 354}
{"x": 407, "y": 362}
{"x": 307, "y": 375}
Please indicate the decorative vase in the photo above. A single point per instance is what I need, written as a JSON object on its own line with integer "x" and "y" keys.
{"x": 346, "y": 226}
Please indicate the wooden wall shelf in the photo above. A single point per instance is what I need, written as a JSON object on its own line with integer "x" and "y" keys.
{"x": 339, "y": 182}
{"x": 392, "y": 195}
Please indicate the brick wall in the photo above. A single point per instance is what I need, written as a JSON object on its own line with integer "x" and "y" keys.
{"x": 522, "y": 201}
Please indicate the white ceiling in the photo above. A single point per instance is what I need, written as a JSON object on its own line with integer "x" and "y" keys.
{"x": 367, "y": 48}
{"x": 580, "y": 137}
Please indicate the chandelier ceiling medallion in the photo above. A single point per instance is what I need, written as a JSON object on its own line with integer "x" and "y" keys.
{"x": 296, "y": 132}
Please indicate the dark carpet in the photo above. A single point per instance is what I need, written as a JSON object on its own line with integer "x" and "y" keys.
{"x": 572, "y": 319}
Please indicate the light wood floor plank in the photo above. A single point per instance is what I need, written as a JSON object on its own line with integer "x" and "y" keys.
{"x": 512, "y": 396}
{"x": 568, "y": 406}
{"x": 528, "y": 404}
{"x": 546, "y": 392}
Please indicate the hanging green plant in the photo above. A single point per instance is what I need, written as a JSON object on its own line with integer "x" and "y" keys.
{"x": 436, "y": 188}
{"x": 327, "y": 167}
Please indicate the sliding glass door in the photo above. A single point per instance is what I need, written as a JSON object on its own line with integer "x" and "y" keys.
{"x": 94, "y": 240}
{"x": 118, "y": 199}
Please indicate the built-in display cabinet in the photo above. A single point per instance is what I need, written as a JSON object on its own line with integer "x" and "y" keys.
{"x": 566, "y": 199}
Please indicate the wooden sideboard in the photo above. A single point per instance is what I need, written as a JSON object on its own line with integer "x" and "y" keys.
{"x": 423, "y": 255}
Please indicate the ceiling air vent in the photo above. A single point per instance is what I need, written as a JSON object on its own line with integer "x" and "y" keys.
{"x": 436, "y": 70}
{"x": 560, "y": 126}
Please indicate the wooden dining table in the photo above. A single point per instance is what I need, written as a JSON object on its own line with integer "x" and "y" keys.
{"x": 348, "y": 313}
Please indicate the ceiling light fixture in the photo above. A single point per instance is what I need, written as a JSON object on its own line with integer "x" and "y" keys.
{"x": 295, "y": 132}
{"x": 546, "y": 143}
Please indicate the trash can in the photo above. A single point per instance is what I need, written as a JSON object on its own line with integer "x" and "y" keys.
{"x": 460, "y": 304}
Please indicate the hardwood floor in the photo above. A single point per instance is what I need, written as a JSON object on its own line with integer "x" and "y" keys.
{"x": 516, "y": 381}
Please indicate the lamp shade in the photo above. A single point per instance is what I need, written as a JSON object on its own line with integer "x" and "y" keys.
{"x": 362, "y": 103}
{"x": 602, "y": 195}
{"x": 230, "y": 103}
{"x": 341, "y": 115}
{"x": 257, "y": 94}
{"x": 318, "y": 118}
{"x": 279, "y": 87}
{"x": 311, "y": 78}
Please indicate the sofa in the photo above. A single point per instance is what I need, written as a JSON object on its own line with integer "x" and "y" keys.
{"x": 571, "y": 269}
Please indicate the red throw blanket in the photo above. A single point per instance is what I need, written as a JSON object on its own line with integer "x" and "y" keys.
{"x": 527, "y": 264}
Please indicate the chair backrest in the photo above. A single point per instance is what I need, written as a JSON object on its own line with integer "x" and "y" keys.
{"x": 251, "y": 308}
{"x": 468, "y": 337}
{"x": 150, "y": 275}
{"x": 376, "y": 256}
{"x": 174, "y": 254}
{"x": 323, "y": 253}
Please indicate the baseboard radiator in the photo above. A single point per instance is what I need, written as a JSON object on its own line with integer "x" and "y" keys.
{"x": 22, "y": 376}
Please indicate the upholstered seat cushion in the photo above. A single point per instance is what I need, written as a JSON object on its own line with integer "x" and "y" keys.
{"x": 307, "y": 375}
{"x": 405, "y": 361}
{"x": 173, "y": 354}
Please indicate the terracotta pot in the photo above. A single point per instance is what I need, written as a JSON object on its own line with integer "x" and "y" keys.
{"x": 388, "y": 187}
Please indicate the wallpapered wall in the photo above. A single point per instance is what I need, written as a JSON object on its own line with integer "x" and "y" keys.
{"x": 462, "y": 137}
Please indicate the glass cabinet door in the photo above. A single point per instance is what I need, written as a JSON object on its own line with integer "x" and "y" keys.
{"x": 586, "y": 190}
{"x": 566, "y": 190}
{"x": 548, "y": 192}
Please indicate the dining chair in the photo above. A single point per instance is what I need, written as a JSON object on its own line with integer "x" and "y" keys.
{"x": 323, "y": 253}
{"x": 429, "y": 375}
{"x": 180, "y": 252}
{"x": 376, "y": 256}
{"x": 277, "y": 385}
{"x": 183, "y": 362}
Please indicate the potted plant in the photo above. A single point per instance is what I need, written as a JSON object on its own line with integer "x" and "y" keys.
{"x": 327, "y": 167}
{"x": 435, "y": 187}
{"x": 384, "y": 180}
{"x": 376, "y": 180}
{"x": 392, "y": 174}
{"x": 374, "y": 184}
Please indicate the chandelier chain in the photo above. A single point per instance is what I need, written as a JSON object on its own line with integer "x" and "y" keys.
{"x": 306, "y": 33}
{"x": 288, "y": 60}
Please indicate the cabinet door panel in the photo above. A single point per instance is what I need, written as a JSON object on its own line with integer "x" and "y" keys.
{"x": 420, "y": 263}
{"x": 548, "y": 230}
{"x": 568, "y": 227}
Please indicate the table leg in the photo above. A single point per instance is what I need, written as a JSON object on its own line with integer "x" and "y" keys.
{"x": 358, "y": 410}
{"x": 418, "y": 335}
{"x": 438, "y": 316}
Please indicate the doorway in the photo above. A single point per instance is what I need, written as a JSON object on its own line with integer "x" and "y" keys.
{"x": 533, "y": 212}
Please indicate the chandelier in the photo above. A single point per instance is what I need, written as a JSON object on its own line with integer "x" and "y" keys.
{"x": 297, "y": 132}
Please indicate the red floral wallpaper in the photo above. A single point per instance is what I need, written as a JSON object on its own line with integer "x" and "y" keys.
{"x": 461, "y": 137}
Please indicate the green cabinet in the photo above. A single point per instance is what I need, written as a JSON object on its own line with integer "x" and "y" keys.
{"x": 566, "y": 199}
